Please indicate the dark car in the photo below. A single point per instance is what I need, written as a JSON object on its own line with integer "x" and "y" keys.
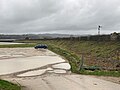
{"x": 44, "y": 46}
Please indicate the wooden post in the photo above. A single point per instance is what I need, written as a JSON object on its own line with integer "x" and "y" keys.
{"x": 81, "y": 64}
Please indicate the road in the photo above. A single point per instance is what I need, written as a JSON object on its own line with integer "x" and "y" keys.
{"x": 44, "y": 70}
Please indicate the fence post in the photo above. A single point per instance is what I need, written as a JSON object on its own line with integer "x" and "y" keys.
{"x": 81, "y": 64}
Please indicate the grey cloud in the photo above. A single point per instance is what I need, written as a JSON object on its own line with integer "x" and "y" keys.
{"x": 59, "y": 16}
{"x": 20, "y": 11}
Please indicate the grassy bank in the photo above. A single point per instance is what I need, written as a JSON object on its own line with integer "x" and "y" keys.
{"x": 76, "y": 63}
{"x": 5, "y": 85}
{"x": 103, "y": 54}
{"x": 93, "y": 48}
{"x": 101, "y": 73}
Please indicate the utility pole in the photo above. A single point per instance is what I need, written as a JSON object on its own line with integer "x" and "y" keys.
{"x": 99, "y": 28}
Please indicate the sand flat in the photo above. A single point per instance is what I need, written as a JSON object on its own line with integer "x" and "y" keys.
{"x": 9, "y": 66}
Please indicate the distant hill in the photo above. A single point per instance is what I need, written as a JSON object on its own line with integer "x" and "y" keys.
{"x": 35, "y": 36}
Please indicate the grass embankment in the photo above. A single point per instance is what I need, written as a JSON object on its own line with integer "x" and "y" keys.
{"x": 75, "y": 63}
{"x": 94, "y": 48}
{"x": 103, "y": 54}
{"x": 5, "y": 85}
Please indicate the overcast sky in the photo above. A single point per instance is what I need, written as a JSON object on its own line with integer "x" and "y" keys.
{"x": 59, "y": 16}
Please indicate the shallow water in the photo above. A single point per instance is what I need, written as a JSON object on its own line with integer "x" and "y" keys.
{"x": 9, "y": 66}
